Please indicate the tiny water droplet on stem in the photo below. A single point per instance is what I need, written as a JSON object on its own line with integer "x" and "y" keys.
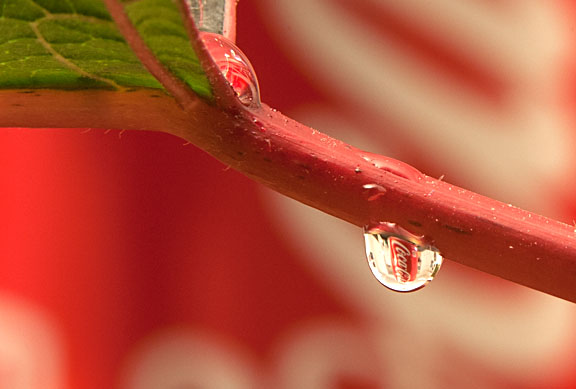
{"x": 235, "y": 67}
{"x": 393, "y": 166}
{"x": 400, "y": 260}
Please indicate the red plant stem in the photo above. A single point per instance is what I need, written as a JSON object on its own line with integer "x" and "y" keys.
{"x": 336, "y": 178}
{"x": 329, "y": 175}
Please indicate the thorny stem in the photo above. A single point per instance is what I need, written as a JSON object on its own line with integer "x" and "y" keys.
{"x": 353, "y": 185}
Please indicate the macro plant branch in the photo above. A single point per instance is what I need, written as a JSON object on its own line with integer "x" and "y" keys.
{"x": 304, "y": 164}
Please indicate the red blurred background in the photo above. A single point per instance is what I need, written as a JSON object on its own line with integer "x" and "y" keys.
{"x": 134, "y": 260}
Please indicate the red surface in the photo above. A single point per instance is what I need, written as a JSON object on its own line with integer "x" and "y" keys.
{"x": 115, "y": 240}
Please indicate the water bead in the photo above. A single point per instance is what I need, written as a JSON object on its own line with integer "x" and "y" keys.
{"x": 394, "y": 166}
{"x": 235, "y": 67}
{"x": 400, "y": 260}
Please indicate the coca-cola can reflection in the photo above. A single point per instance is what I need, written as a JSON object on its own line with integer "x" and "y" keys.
{"x": 398, "y": 259}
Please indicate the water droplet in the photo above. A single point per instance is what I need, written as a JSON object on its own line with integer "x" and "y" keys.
{"x": 376, "y": 190}
{"x": 400, "y": 260}
{"x": 393, "y": 166}
{"x": 235, "y": 67}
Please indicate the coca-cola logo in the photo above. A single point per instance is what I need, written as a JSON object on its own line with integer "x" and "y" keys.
{"x": 402, "y": 260}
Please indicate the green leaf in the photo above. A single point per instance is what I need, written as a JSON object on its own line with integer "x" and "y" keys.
{"x": 74, "y": 44}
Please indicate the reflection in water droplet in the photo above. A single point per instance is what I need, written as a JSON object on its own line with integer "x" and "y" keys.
{"x": 235, "y": 67}
{"x": 401, "y": 261}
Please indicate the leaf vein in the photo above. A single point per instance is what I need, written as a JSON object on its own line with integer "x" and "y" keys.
{"x": 67, "y": 63}
{"x": 44, "y": 10}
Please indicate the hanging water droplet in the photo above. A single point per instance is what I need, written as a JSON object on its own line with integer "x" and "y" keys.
{"x": 235, "y": 67}
{"x": 401, "y": 261}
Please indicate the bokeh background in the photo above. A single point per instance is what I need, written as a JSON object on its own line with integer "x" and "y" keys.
{"x": 133, "y": 260}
